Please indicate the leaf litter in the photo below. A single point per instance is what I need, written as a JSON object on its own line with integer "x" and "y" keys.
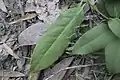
{"x": 20, "y": 18}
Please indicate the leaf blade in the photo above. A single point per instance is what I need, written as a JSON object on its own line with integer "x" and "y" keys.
{"x": 114, "y": 25}
{"x": 112, "y": 56}
{"x": 50, "y": 48}
{"x": 93, "y": 40}
{"x": 101, "y": 7}
{"x": 113, "y": 8}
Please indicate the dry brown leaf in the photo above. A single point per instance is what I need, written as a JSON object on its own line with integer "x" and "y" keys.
{"x": 9, "y": 50}
{"x": 73, "y": 67}
{"x": 3, "y": 53}
{"x": 30, "y": 7}
{"x": 61, "y": 65}
{"x": 36, "y": 31}
{"x": 47, "y": 10}
{"x": 52, "y": 8}
{"x": 2, "y": 6}
{"x": 4, "y": 78}
{"x": 70, "y": 71}
{"x": 6, "y": 73}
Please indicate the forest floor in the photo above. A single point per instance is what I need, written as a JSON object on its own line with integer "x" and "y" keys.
{"x": 22, "y": 22}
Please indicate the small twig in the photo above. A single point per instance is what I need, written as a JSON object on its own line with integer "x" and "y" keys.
{"x": 22, "y": 14}
{"x": 110, "y": 78}
{"x": 95, "y": 8}
{"x": 73, "y": 67}
{"x": 97, "y": 72}
{"x": 95, "y": 76}
{"x": 26, "y": 58}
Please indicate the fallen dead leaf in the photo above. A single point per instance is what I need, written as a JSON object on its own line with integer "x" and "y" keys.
{"x": 2, "y": 6}
{"x": 47, "y": 10}
{"x": 36, "y": 31}
{"x": 73, "y": 67}
{"x": 3, "y": 53}
{"x": 6, "y": 73}
{"x": 70, "y": 71}
{"x": 9, "y": 50}
{"x": 61, "y": 65}
{"x": 4, "y": 78}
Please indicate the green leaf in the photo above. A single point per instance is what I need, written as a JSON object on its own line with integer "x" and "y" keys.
{"x": 111, "y": 0}
{"x": 56, "y": 39}
{"x": 93, "y": 40}
{"x": 113, "y": 8}
{"x": 114, "y": 25}
{"x": 112, "y": 56}
{"x": 101, "y": 7}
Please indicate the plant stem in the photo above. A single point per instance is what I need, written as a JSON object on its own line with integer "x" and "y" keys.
{"x": 100, "y": 13}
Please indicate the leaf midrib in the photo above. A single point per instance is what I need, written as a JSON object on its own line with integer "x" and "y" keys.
{"x": 74, "y": 18}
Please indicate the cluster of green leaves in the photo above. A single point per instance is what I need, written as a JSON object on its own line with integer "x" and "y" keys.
{"x": 104, "y": 36}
